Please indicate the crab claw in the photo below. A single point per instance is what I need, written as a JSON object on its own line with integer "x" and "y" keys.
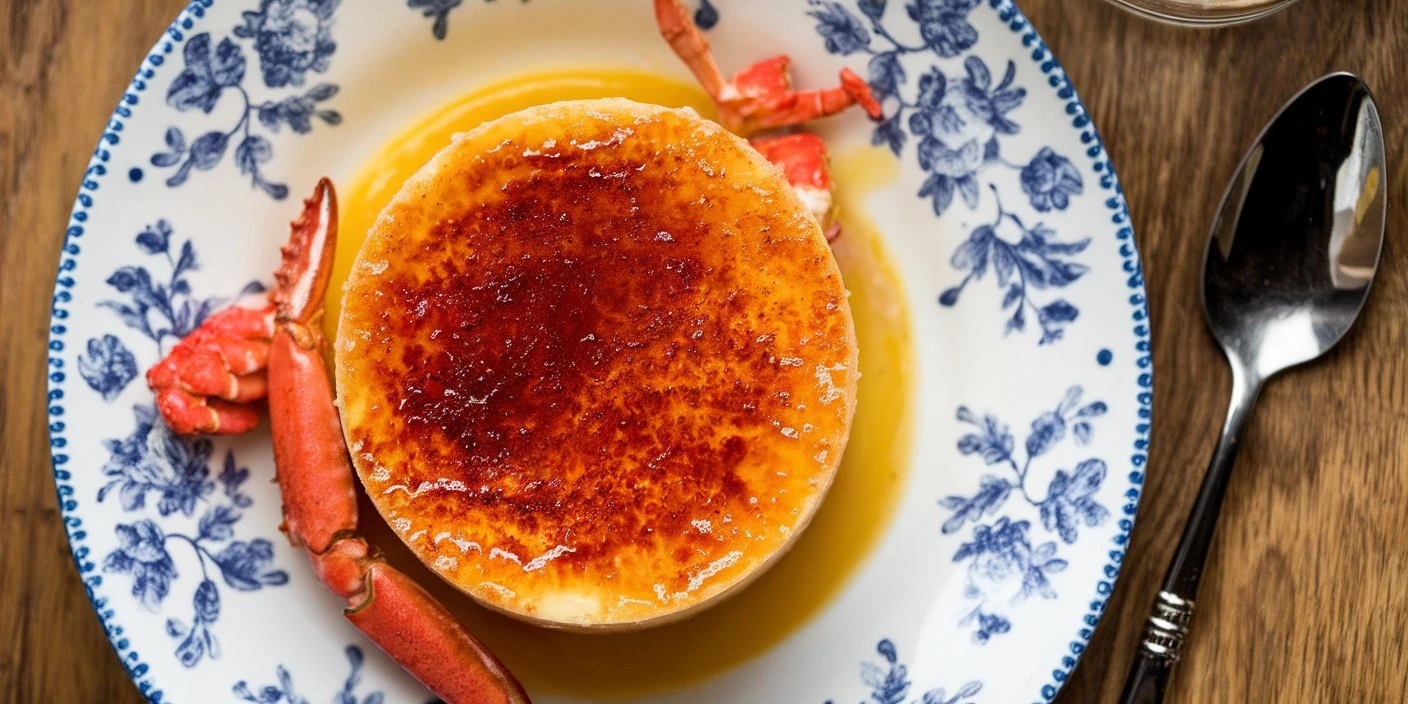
{"x": 318, "y": 486}
{"x": 306, "y": 266}
{"x": 804, "y": 162}
{"x": 211, "y": 378}
{"x": 760, "y": 96}
{"x": 209, "y": 381}
{"x": 413, "y": 628}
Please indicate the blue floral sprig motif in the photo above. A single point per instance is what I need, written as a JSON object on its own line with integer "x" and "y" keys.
{"x": 154, "y": 469}
{"x": 439, "y": 11}
{"x": 959, "y": 121}
{"x": 153, "y": 462}
{"x": 283, "y": 692}
{"x": 1022, "y": 258}
{"x": 1004, "y": 566}
{"x": 291, "y": 38}
{"x": 108, "y": 366}
{"x": 889, "y": 683}
{"x": 161, "y": 310}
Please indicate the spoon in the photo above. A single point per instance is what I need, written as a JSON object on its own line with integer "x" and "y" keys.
{"x": 1289, "y": 261}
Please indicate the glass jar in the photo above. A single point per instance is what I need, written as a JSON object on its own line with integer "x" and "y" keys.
{"x": 1204, "y": 13}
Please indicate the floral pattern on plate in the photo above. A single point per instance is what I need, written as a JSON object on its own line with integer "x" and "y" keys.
{"x": 1004, "y": 566}
{"x": 292, "y": 38}
{"x": 172, "y": 538}
{"x": 959, "y": 123}
{"x": 283, "y": 691}
{"x": 889, "y": 683}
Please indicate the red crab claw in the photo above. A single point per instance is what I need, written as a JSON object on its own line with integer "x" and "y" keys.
{"x": 760, "y": 96}
{"x": 803, "y": 159}
{"x": 209, "y": 381}
{"x": 315, "y": 478}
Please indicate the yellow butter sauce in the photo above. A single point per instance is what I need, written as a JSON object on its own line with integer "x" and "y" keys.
{"x": 845, "y": 529}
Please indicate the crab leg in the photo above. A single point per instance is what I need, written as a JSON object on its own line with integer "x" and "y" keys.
{"x": 690, "y": 45}
{"x": 760, "y": 96}
{"x": 803, "y": 160}
{"x": 315, "y": 478}
{"x": 785, "y": 107}
{"x": 315, "y": 475}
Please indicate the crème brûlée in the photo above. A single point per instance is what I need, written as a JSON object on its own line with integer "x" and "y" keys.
{"x": 596, "y": 365}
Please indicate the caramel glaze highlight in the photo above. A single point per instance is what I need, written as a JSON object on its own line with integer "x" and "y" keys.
{"x": 596, "y": 363}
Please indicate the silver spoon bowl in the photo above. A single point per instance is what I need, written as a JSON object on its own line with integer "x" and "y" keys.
{"x": 1292, "y": 253}
{"x": 1296, "y": 242}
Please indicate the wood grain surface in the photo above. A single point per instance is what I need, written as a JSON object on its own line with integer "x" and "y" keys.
{"x": 1306, "y": 598}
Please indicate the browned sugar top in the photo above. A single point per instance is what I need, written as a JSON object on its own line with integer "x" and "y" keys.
{"x": 599, "y": 354}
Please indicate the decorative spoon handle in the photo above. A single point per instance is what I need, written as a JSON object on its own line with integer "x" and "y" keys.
{"x": 1167, "y": 627}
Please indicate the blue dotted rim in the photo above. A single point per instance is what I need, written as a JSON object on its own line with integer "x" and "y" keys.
{"x": 1007, "y": 11}
{"x": 1124, "y": 233}
{"x": 98, "y": 167}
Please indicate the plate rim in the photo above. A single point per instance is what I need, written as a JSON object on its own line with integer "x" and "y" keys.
{"x": 1115, "y": 203}
{"x": 195, "y": 10}
{"x": 164, "y": 46}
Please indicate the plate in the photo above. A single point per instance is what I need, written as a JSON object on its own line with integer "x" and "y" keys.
{"x": 1029, "y": 398}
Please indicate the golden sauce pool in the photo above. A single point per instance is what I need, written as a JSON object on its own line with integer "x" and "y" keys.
{"x": 849, "y": 522}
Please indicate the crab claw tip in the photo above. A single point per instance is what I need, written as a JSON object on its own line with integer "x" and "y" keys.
{"x": 859, "y": 90}
{"x": 307, "y": 258}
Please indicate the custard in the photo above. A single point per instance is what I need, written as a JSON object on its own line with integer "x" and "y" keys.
{"x": 596, "y": 364}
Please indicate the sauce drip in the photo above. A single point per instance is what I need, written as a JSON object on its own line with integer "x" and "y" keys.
{"x": 849, "y": 522}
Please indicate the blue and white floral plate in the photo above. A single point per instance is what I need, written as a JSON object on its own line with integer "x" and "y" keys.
{"x": 1032, "y": 393}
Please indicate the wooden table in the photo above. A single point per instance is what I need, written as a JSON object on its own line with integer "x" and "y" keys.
{"x": 1306, "y": 599}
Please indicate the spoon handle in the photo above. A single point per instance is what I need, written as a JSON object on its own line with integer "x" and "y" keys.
{"x": 1167, "y": 627}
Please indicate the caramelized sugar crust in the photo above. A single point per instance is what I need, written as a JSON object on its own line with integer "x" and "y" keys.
{"x": 596, "y": 363}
